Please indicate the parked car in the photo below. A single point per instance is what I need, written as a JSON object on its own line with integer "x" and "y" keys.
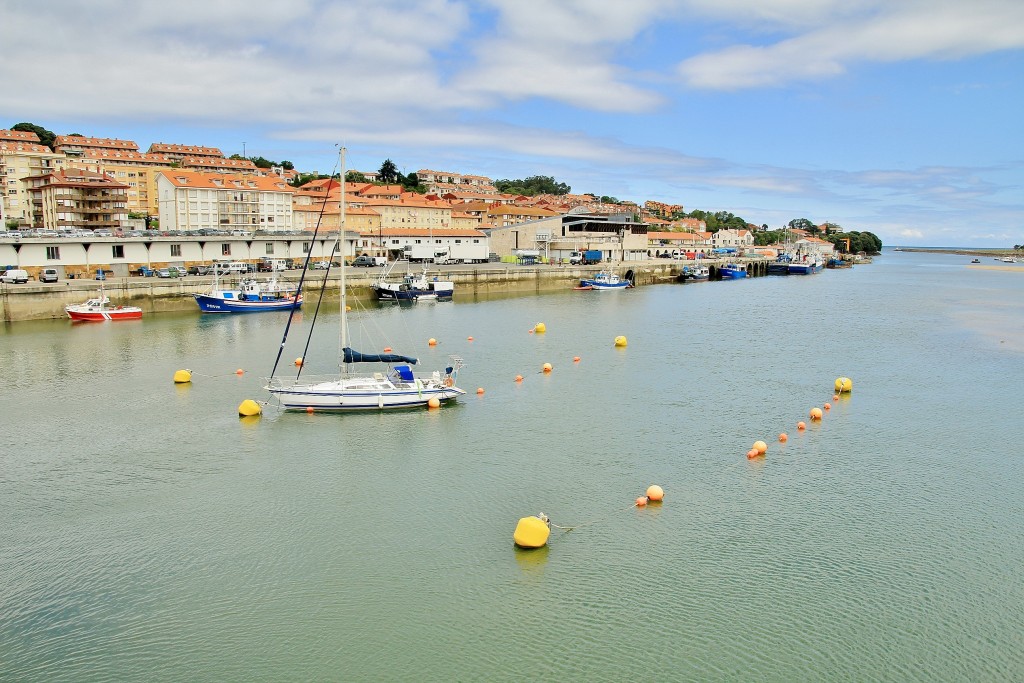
{"x": 101, "y": 274}
{"x": 321, "y": 265}
{"x": 49, "y": 275}
{"x": 15, "y": 276}
{"x": 177, "y": 271}
{"x": 199, "y": 270}
{"x": 145, "y": 271}
{"x": 365, "y": 261}
{"x": 166, "y": 272}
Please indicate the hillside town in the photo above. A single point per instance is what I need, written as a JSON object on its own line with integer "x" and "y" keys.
{"x": 87, "y": 187}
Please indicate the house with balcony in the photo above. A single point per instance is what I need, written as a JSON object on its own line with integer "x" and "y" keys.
{"x": 22, "y": 155}
{"x": 75, "y": 199}
{"x": 217, "y": 201}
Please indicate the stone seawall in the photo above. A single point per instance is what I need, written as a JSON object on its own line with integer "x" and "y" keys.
{"x": 37, "y": 301}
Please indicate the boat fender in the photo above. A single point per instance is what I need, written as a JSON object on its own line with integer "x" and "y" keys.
{"x": 448, "y": 382}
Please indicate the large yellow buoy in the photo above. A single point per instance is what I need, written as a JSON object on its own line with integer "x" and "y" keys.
{"x": 540, "y": 328}
{"x": 844, "y": 384}
{"x": 546, "y": 367}
{"x": 532, "y": 532}
{"x": 182, "y": 376}
{"x": 248, "y": 408}
{"x": 434, "y": 402}
{"x": 655, "y": 493}
{"x": 620, "y": 341}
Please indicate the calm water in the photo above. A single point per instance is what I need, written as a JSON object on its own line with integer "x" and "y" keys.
{"x": 148, "y": 534}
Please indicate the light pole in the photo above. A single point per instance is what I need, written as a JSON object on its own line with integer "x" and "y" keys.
{"x": 243, "y": 150}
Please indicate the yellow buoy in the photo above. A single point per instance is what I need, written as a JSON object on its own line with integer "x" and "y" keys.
{"x": 761, "y": 447}
{"x": 655, "y": 493}
{"x": 540, "y": 328}
{"x": 434, "y": 402}
{"x": 620, "y": 341}
{"x": 348, "y": 309}
{"x": 248, "y": 408}
{"x": 532, "y": 532}
{"x": 432, "y": 342}
{"x": 182, "y": 376}
{"x": 546, "y": 367}
{"x": 844, "y": 384}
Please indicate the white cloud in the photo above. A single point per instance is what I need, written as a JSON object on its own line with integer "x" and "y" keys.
{"x": 894, "y": 31}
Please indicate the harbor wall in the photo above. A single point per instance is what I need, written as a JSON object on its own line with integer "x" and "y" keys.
{"x": 38, "y": 301}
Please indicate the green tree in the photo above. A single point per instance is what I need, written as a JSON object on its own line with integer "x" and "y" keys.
{"x": 355, "y": 177}
{"x": 532, "y": 186}
{"x": 388, "y": 172}
{"x": 46, "y": 137}
{"x": 801, "y": 224}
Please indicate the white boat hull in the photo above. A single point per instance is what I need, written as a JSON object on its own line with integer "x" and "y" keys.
{"x": 360, "y": 393}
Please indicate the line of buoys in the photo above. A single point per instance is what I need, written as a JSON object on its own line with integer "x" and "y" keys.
{"x": 182, "y": 376}
{"x": 842, "y": 385}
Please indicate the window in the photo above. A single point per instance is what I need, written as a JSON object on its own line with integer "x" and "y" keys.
{"x": 225, "y": 249}
{"x": 270, "y": 247}
{"x": 305, "y": 247}
{"x": 176, "y": 250}
{"x": 117, "y": 251}
{"x": 53, "y": 253}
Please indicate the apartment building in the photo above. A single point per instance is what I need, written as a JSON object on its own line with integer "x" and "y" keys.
{"x": 190, "y": 200}
{"x": 75, "y": 199}
{"x": 22, "y": 155}
{"x": 441, "y": 182}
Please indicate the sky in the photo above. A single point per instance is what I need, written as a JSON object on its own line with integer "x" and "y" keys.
{"x": 901, "y": 117}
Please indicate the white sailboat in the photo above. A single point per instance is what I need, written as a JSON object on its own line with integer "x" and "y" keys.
{"x": 398, "y": 386}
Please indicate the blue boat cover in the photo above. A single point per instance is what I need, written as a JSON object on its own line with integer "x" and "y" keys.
{"x": 404, "y": 373}
{"x": 351, "y": 356}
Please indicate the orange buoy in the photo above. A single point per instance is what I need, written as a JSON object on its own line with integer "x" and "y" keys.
{"x": 641, "y": 501}
{"x": 239, "y": 371}
{"x": 835, "y": 397}
{"x": 761, "y": 447}
{"x": 469, "y": 339}
{"x": 434, "y": 402}
{"x": 546, "y": 367}
{"x": 655, "y": 492}
{"x": 348, "y": 309}
{"x": 783, "y": 437}
{"x": 575, "y": 359}
{"x": 828, "y": 406}
{"x": 479, "y": 391}
{"x": 530, "y": 330}
{"x": 298, "y": 361}
{"x": 815, "y": 414}
{"x": 751, "y": 454}
{"x": 801, "y": 426}
{"x": 309, "y": 409}
{"x": 519, "y": 378}
{"x": 432, "y": 342}
{"x": 387, "y": 349}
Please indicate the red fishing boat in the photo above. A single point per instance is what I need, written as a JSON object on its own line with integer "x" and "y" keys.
{"x": 99, "y": 309}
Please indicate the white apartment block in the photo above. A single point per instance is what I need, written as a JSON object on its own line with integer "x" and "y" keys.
{"x": 216, "y": 201}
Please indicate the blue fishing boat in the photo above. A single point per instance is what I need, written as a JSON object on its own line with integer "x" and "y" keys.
{"x": 605, "y": 282}
{"x": 251, "y": 296}
{"x": 732, "y": 271}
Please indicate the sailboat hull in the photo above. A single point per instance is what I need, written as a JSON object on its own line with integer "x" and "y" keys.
{"x": 361, "y": 393}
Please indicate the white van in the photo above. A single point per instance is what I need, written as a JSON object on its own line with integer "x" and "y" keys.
{"x": 15, "y": 276}
{"x": 230, "y": 267}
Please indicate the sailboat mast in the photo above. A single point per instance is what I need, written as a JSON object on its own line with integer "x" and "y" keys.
{"x": 341, "y": 242}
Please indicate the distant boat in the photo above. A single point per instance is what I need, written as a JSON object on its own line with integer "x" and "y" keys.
{"x": 695, "y": 274}
{"x": 975, "y": 260}
{"x": 412, "y": 287}
{"x": 605, "y": 282}
{"x": 780, "y": 266}
{"x": 99, "y": 309}
{"x": 732, "y": 271}
{"x": 252, "y": 296}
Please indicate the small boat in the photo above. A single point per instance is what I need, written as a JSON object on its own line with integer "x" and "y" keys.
{"x": 99, "y": 309}
{"x": 252, "y": 296}
{"x": 807, "y": 266}
{"x": 605, "y": 282}
{"x": 975, "y": 260}
{"x": 412, "y": 287}
{"x": 780, "y": 266}
{"x": 393, "y": 388}
{"x": 838, "y": 263}
{"x": 732, "y": 271}
{"x": 695, "y": 274}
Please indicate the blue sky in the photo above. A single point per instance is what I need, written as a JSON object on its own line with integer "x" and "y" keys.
{"x": 902, "y": 117}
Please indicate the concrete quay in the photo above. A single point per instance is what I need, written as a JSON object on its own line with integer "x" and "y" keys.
{"x": 39, "y": 301}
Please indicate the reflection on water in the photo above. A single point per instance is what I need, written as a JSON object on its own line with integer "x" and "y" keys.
{"x": 150, "y": 533}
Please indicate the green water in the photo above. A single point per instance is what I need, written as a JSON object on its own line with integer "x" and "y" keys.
{"x": 148, "y": 534}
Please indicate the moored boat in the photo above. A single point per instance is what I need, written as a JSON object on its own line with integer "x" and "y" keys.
{"x": 99, "y": 309}
{"x": 412, "y": 287}
{"x": 732, "y": 271}
{"x": 605, "y": 282}
{"x": 252, "y": 296}
{"x": 695, "y": 274}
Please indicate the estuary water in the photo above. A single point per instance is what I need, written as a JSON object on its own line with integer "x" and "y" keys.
{"x": 149, "y": 534}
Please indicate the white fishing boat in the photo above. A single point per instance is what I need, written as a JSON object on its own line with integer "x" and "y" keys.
{"x": 396, "y": 385}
